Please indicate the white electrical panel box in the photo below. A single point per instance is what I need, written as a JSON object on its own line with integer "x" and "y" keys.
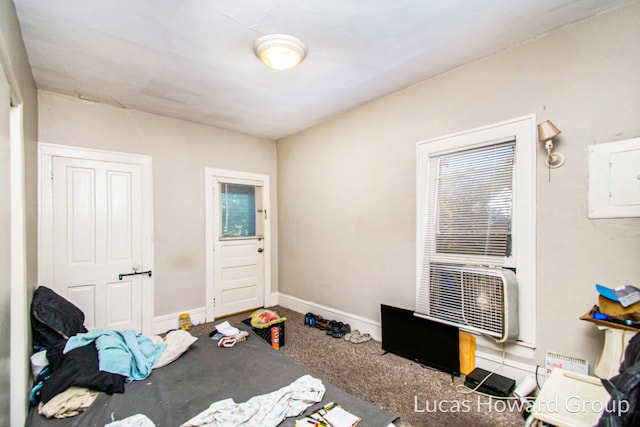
{"x": 614, "y": 179}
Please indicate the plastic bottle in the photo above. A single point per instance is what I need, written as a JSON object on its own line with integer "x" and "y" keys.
{"x": 185, "y": 321}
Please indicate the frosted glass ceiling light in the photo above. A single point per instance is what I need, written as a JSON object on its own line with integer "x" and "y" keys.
{"x": 279, "y": 51}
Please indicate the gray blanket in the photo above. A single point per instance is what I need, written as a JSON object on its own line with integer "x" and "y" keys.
{"x": 205, "y": 374}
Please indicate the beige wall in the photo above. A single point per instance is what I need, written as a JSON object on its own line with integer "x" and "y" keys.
{"x": 5, "y": 245}
{"x": 347, "y": 187}
{"x": 15, "y": 65}
{"x": 19, "y": 64}
{"x": 180, "y": 151}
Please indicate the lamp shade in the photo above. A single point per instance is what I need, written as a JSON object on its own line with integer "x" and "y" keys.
{"x": 280, "y": 51}
{"x": 547, "y": 130}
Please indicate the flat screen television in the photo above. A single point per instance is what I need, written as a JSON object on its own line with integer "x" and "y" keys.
{"x": 424, "y": 341}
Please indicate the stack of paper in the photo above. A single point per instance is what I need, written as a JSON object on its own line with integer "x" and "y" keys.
{"x": 331, "y": 415}
{"x": 338, "y": 417}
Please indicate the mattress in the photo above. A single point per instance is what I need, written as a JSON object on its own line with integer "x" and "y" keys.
{"x": 205, "y": 374}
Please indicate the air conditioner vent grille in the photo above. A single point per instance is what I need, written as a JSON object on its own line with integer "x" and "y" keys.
{"x": 483, "y": 301}
{"x": 479, "y": 299}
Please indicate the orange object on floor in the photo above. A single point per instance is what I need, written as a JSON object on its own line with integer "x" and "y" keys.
{"x": 467, "y": 353}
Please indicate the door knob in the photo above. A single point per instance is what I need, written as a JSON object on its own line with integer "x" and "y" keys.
{"x": 260, "y": 249}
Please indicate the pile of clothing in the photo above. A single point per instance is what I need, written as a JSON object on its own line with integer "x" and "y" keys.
{"x": 71, "y": 365}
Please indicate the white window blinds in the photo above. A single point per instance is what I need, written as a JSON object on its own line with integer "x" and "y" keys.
{"x": 469, "y": 207}
{"x": 469, "y": 212}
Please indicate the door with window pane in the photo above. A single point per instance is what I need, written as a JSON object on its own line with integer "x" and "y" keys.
{"x": 239, "y": 246}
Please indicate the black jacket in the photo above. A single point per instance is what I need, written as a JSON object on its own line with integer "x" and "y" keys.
{"x": 53, "y": 318}
{"x": 79, "y": 367}
{"x": 623, "y": 409}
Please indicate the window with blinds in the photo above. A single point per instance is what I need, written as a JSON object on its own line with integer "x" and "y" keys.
{"x": 475, "y": 234}
{"x": 469, "y": 214}
{"x": 469, "y": 209}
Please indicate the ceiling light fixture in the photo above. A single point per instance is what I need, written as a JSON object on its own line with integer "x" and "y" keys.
{"x": 280, "y": 51}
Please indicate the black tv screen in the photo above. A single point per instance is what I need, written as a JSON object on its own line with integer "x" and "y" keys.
{"x": 424, "y": 341}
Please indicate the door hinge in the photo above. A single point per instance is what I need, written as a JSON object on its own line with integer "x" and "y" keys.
{"x": 214, "y": 302}
{"x": 51, "y": 175}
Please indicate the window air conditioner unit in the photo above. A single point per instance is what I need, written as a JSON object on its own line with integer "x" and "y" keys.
{"x": 477, "y": 299}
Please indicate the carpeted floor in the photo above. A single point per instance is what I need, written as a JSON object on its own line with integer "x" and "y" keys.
{"x": 418, "y": 395}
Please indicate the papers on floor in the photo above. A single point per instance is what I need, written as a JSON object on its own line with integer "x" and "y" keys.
{"x": 331, "y": 415}
{"x": 338, "y": 417}
{"x": 226, "y": 329}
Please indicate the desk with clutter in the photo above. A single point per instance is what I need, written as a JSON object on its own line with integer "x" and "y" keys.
{"x": 619, "y": 318}
{"x": 614, "y": 391}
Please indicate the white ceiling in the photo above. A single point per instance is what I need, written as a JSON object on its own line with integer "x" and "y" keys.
{"x": 194, "y": 60}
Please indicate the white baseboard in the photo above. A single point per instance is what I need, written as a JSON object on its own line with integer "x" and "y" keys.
{"x": 510, "y": 368}
{"x": 272, "y": 299}
{"x": 162, "y": 324}
{"x": 513, "y": 369}
{"x": 362, "y": 324}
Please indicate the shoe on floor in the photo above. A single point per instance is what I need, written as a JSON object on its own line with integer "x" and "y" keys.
{"x": 360, "y": 338}
{"x": 307, "y": 318}
{"x": 322, "y": 324}
{"x": 348, "y": 335}
{"x": 333, "y": 325}
{"x": 312, "y": 320}
{"x": 342, "y": 330}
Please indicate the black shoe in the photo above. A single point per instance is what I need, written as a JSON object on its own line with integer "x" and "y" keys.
{"x": 332, "y": 327}
{"x": 341, "y": 331}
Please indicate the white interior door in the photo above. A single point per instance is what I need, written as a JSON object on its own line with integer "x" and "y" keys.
{"x": 98, "y": 236}
{"x": 96, "y": 230}
{"x": 239, "y": 218}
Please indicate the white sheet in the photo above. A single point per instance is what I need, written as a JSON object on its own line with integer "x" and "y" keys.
{"x": 264, "y": 410}
{"x": 177, "y": 341}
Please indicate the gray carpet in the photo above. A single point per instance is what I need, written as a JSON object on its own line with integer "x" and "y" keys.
{"x": 419, "y": 395}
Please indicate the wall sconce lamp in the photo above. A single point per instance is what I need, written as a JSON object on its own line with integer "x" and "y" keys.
{"x": 280, "y": 51}
{"x": 546, "y": 132}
